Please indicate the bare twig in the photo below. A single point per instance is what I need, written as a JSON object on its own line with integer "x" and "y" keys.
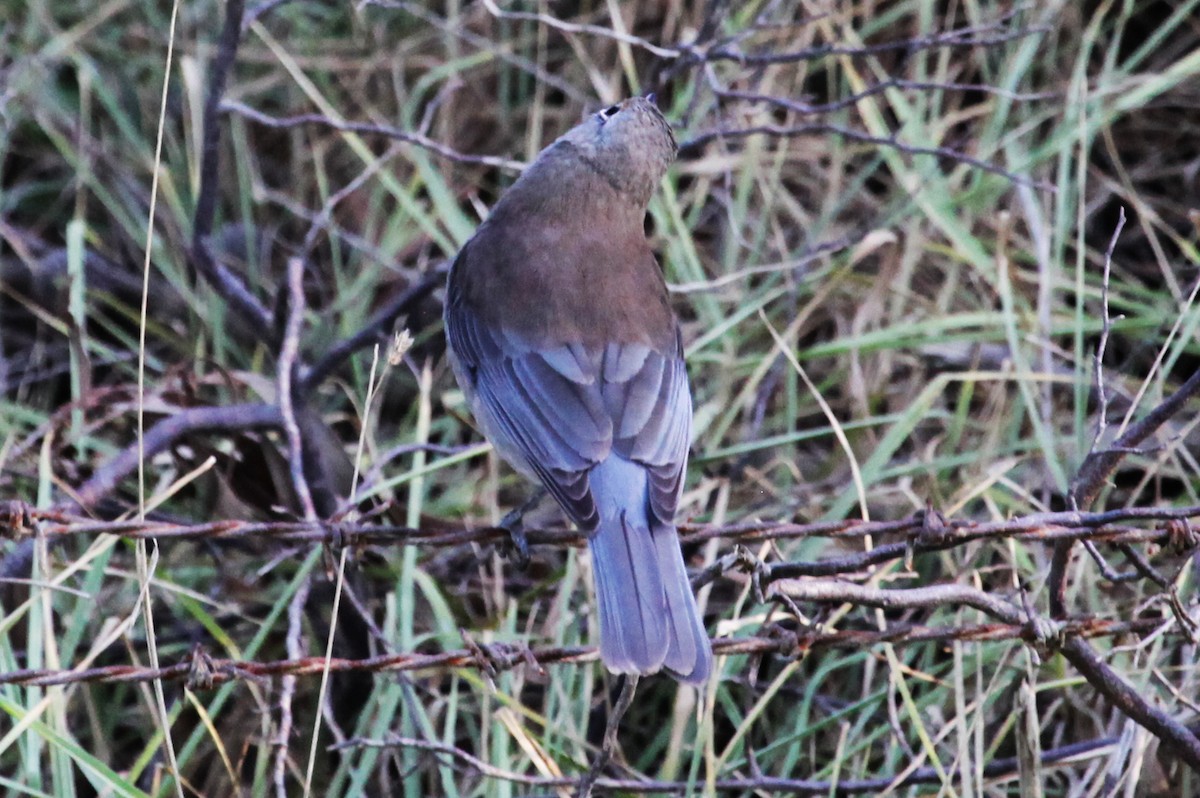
{"x": 1142, "y": 566}
{"x": 377, "y": 329}
{"x": 1106, "y": 321}
{"x": 879, "y": 88}
{"x": 1126, "y": 698}
{"x": 289, "y": 350}
{"x": 1109, "y": 573}
{"x": 416, "y": 139}
{"x": 231, "y": 420}
{"x": 961, "y": 37}
{"x": 611, "y": 728}
{"x": 288, "y": 687}
{"x": 949, "y": 595}
{"x": 321, "y": 220}
{"x": 455, "y": 28}
{"x": 228, "y": 285}
{"x": 691, "y": 147}
{"x": 1099, "y": 466}
{"x": 571, "y": 28}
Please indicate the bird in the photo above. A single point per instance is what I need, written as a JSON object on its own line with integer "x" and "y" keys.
{"x": 564, "y": 342}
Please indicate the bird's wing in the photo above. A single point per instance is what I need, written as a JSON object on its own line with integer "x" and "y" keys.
{"x": 647, "y": 397}
{"x": 544, "y": 408}
{"x": 560, "y": 409}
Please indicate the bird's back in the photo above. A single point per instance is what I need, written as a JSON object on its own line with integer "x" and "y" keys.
{"x": 574, "y": 268}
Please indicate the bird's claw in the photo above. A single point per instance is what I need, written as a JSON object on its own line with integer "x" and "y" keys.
{"x": 516, "y": 546}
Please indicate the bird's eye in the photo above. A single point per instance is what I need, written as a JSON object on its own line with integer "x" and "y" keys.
{"x": 609, "y": 112}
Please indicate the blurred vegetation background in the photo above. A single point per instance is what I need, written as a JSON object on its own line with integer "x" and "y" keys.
{"x": 908, "y": 203}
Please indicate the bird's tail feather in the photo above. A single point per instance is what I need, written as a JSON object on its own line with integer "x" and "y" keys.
{"x": 689, "y": 655}
{"x": 648, "y": 614}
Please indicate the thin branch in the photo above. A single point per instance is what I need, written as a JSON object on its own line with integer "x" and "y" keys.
{"x": 612, "y": 727}
{"x": 1099, "y": 466}
{"x": 961, "y": 37}
{"x": 691, "y": 147}
{"x": 462, "y": 32}
{"x": 1130, "y": 701}
{"x": 1095, "y": 471}
{"x": 871, "y": 91}
{"x": 289, "y": 351}
{"x": 588, "y": 30}
{"x": 229, "y": 286}
{"x": 320, "y": 222}
{"x": 231, "y": 420}
{"x": 288, "y": 687}
{"x": 1106, "y": 328}
{"x": 1061, "y": 558}
{"x": 951, "y": 595}
{"x": 377, "y": 329}
{"x": 416, "y": 139}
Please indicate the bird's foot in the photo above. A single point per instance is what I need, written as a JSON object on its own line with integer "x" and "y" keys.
{"x": 516, "y": 546}
{"x": 628, "y": 689}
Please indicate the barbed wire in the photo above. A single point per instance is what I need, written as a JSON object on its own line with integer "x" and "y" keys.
{"x": 995, "y": 769}
{"x": 1113, "y": 526}
{"x": 201, "y": 671}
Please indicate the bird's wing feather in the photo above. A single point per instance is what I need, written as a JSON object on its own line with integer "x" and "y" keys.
{"x": 543, "y": 408}
{"x": 646, "y": 394}
{"x": 560, "y": 409}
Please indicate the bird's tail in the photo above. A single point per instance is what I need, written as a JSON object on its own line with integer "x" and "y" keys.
{"x": 648, "y": 614}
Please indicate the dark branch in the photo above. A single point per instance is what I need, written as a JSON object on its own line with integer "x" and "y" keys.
{"x": 231, "y": 420}
{"x": 375, "y": 330}
{"x": 228, "y": 285}
{"x": 289, "y": 351}
{"x": 416, "y": 139}
{"x": 1099, "y": 466}
{"x": 692, "y": 147}
{"x": 962, "y": 37}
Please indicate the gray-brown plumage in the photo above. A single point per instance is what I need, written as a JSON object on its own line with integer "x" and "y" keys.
{"x": 563, "y": 339}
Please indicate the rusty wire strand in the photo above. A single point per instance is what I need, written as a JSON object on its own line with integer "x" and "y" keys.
{"x": 996, "y": 769}
{"x": 203, "y": 672}
{"x": 1112, "y": 526}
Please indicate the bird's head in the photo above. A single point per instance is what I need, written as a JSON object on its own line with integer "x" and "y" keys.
{"x": 629, "y": 145}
